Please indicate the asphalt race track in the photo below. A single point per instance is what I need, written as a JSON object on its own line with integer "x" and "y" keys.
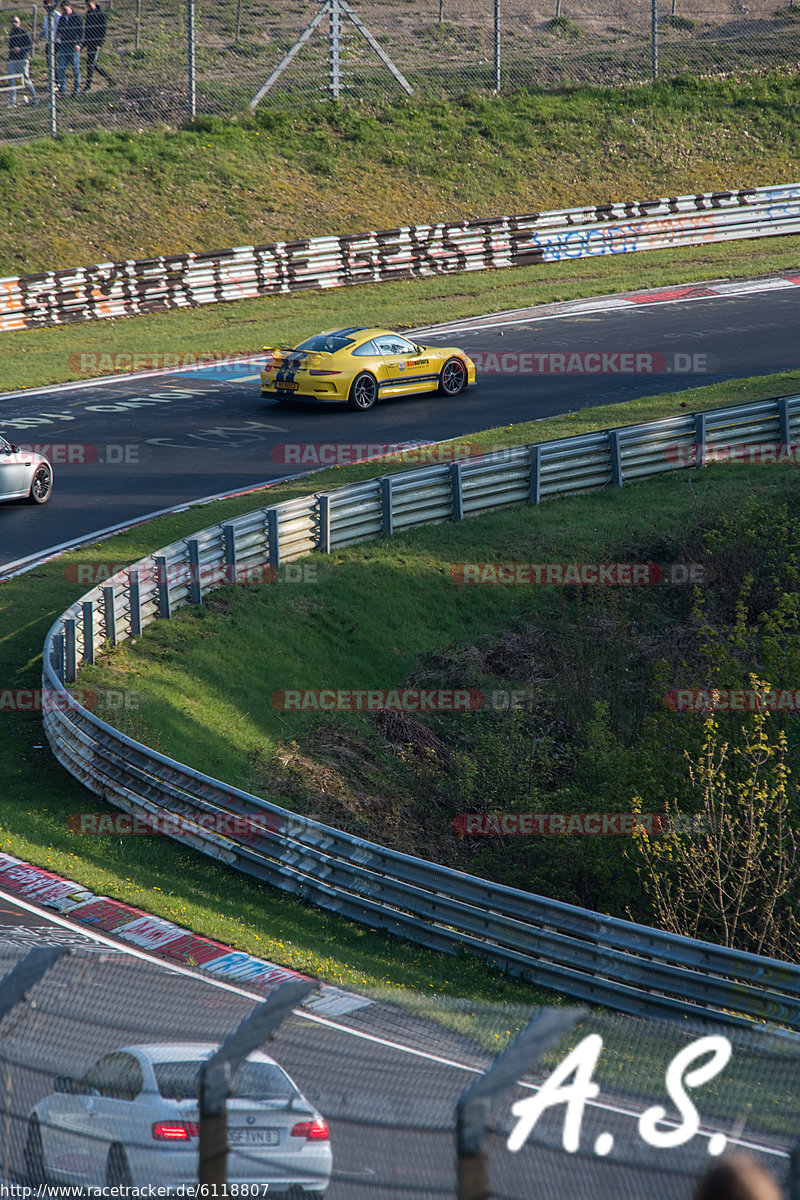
{"x": 140, "y": 445}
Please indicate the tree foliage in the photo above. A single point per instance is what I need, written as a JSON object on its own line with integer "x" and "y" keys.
{"x": 725, "y": 867}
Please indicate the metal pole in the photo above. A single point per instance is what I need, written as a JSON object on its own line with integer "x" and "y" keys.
{"x": 217, "y": 1072}
{"x": 654, "y": 37}
{"x": 472, "y": 1111}
{"x": 191, "y": 58}
{"x": 334, "y": 47}
{"x": 213, "y": 1131}
{"x": 497, "y": 45}
{"x": 28, "y": 971}
{"x": 238, "y": 22}
{"x": 137, "y": 22}
{"x": 793, "y": 1182}
{"x": 51, "y": 69}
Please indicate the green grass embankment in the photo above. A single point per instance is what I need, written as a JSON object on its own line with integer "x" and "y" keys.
{"x": 168, "y": 880}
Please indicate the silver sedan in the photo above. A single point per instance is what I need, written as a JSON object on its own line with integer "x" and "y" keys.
{"x": 24, "y": 475}
{"x": 133, "y": 1119}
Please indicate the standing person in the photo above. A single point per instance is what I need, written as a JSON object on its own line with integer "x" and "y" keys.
{"x": 51, "y": 18}
{"x": 94, "y": 36}
{"x": 20, "y": 47}
{"x": 69, "y": 38}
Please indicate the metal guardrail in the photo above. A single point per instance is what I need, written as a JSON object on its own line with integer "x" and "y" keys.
{"x": 186, "y": 280}
{"x": 632, "y": 968}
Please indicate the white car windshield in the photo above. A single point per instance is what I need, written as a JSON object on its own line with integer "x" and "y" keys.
{"x": 253, "y": 1081}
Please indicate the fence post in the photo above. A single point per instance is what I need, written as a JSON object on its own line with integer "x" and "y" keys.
{"x": 70, "y": 654}
{"x": 700, "y": 439}
{"x": 334, "y": 45}
{"x": 51, "y": 69}
{"x": 229, "y": 541}
{"x": 793, "y": 1182}
{"x": 28, "y": 971}
{"x": 474, "y": 1104}
{"x": 109, "y": 615}
{"x": 135, "y": 603}
{"x": 273, "y": 538}
{"x": 191, "y": 55}
{"x": 535, "y": 493}
{"x": 324, "y": 539}
{"x": 58, "y": 656}
{"x": 217, "y": 1071}
{"x": 784, "y": 421}
{"x": 457, "y": 490}
{"x": 497, "y": 45}
{"x": 87, "y": 609}
{"x": 162, "y": 582}
{"x": 654, "y": 36}
{"x": 387, "y": 516}
{"x": 195, "y": 585}
{"x": 616, "y": 457}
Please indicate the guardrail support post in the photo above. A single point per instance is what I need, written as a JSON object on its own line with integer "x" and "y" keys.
{"x": 70, "y": 655}
{"x": 195, "y": 588}
{"x": 387, "y": 516}
{"x": 162, "y": 581}
{"x": 135, "y": 603}
{"x": 229, "y": 542}
{"x": 457, "y": 490}
{"x": 616, "y": 457}
{"x": 784, "y": 421}
{"x": 273, "y": 538}
{"x": 535, "y": 494}
{"x": 87, "y": 609}
{"x": 58, "y": 656}
{"x": 109, "y": 616}
{"x": 700, "y": 439}
{"x": 324, "y": 538}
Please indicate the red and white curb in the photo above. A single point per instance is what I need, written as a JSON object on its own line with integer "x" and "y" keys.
{"x": 159, "y": 936}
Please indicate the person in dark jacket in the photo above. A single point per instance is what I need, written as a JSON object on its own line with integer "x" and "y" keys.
{"x": 94, "y": 35}
{"x": 49, "y": 27}
{"x": 69, "y": 39}
{"x": 20, "y": 47}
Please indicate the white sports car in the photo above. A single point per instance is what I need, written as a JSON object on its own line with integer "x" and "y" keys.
{"x": 24, "y": 475}
{"x": 133, "y": 1120}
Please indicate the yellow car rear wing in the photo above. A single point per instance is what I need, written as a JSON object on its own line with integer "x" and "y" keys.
{"x": 277, "y": 353}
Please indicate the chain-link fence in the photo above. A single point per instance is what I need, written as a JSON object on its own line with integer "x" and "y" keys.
{"x": 98, "y": 1088}
{"x": 160, "y": 63}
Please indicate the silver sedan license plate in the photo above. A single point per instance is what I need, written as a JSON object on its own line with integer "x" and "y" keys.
{"x": 253, "y": 1137}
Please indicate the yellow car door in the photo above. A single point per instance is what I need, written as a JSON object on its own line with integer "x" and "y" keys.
{"x": 402, "y": 370}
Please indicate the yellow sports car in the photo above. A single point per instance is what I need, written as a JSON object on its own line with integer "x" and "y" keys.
{"x": 362, "y": 366}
